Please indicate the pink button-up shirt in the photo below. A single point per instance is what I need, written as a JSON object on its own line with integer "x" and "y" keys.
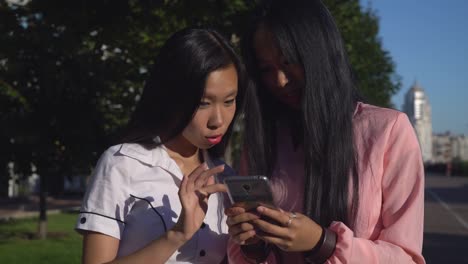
{"x": 389, "y": 223}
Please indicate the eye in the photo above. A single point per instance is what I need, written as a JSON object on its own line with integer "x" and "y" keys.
{"x": 204, "y": 104}
{"x": 230, "y": 102}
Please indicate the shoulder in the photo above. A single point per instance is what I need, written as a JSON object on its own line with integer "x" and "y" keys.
{"x": 122, "y": 160}
{"x": 373, "y": 122}
{"x": 378, "y": 114}
{"x": 379, "y": 118}
{"x": 132, "y": 153}
{"x": 121, "y": 164}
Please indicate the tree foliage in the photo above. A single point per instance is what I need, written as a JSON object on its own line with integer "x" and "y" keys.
{"x": 71, "y": 71}
{"x": 373, "y": 65}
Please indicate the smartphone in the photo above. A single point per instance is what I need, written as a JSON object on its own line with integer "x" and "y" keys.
{"x": 249, "y": 191}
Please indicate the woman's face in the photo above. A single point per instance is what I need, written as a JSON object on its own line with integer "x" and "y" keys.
{"x": 283, "y": 79}
{"x": 216, "y": 110}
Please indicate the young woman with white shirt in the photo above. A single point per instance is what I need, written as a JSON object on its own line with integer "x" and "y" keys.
{"x": 154, "y": 198}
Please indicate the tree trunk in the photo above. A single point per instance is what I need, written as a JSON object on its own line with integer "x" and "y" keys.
{"x": 42, "y": 229}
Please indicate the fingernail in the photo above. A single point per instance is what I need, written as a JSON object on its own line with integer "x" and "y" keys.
{"x": 261, "y": 209}
{"x": 205, "y": 166}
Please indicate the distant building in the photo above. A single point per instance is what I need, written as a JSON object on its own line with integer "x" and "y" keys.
{"x": 442, "y": 148}
{"x": 448, "y": 147}
{"x": 460, "y": 147}
{"x": 18, "y": 186}
{"x": 418, "y": 109}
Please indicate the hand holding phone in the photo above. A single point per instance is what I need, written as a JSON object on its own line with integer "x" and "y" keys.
{"x": 248, "y": 192}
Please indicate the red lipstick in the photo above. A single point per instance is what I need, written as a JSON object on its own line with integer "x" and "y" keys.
{"x": 215, "y": 139}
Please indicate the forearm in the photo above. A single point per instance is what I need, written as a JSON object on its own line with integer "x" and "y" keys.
{"x": 158, "y": 251}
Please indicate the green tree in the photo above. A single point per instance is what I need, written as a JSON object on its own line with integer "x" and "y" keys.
{"x": 373, "y": 65}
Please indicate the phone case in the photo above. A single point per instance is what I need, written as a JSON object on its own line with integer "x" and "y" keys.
{"x": 249, "y": 191}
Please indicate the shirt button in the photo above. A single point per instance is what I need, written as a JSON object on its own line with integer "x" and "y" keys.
{"x": 203, "y": 225}
{"x": 83, "y": 220}
{"x": 202, "y": 253}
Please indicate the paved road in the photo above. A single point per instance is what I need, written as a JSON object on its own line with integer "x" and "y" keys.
{"x": 446, "y": 220}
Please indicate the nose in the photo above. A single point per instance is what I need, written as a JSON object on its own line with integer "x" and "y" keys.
{"x": 216, "y": 118}
{"x": 281, "y": 79}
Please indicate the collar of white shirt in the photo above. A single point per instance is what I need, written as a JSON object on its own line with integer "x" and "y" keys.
{"x": 156, "y": 156}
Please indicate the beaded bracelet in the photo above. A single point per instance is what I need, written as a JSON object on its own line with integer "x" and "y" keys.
{"x": 324, "y": 248}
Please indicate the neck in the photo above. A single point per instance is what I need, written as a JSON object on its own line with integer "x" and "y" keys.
{"x": 181, "y": 150}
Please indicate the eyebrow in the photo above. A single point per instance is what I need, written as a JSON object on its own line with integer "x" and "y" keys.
{"x": 210, "y": 96}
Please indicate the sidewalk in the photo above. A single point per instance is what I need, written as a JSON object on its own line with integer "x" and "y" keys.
{"x": 13, "y": 208}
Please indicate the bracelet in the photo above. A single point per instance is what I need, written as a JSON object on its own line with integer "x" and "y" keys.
{"x": 258, "y": 251}
{"x": 324, "y": 248}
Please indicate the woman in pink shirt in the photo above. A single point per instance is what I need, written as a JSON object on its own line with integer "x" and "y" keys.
{"x": 347, "y": 177}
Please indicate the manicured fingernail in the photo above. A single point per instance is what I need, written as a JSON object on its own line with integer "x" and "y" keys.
{"x": 261, "y": 209}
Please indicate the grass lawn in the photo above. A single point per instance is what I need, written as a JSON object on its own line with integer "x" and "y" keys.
{"x": 18, "y": 245}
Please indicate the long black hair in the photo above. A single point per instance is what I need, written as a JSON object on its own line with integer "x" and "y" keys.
{"x": 307, "y": 35}
{"x": 176, "y": 85}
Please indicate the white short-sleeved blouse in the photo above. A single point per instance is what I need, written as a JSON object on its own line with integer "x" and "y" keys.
{"x": 133, "y": 196}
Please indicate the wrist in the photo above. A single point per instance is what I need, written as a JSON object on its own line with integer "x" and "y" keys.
{"x": 179, "y": 232}
{"x": 324, "y": 249}
{"x": 178, "y": 238}
{"x": 257, "y": 251}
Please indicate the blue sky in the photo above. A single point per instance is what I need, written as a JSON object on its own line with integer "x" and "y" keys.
{"x": 428, "y": 41}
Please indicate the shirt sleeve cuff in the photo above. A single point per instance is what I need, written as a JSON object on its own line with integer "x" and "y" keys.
{"x": 343, "y": 242}
{"x": 88, "y": 221}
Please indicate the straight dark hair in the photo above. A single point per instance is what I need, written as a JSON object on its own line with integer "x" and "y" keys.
{"x": 307, "y": 35}
{"x": 176, "y": 85}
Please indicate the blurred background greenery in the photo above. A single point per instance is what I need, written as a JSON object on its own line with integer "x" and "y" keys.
{"x": 18, "y": 243}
